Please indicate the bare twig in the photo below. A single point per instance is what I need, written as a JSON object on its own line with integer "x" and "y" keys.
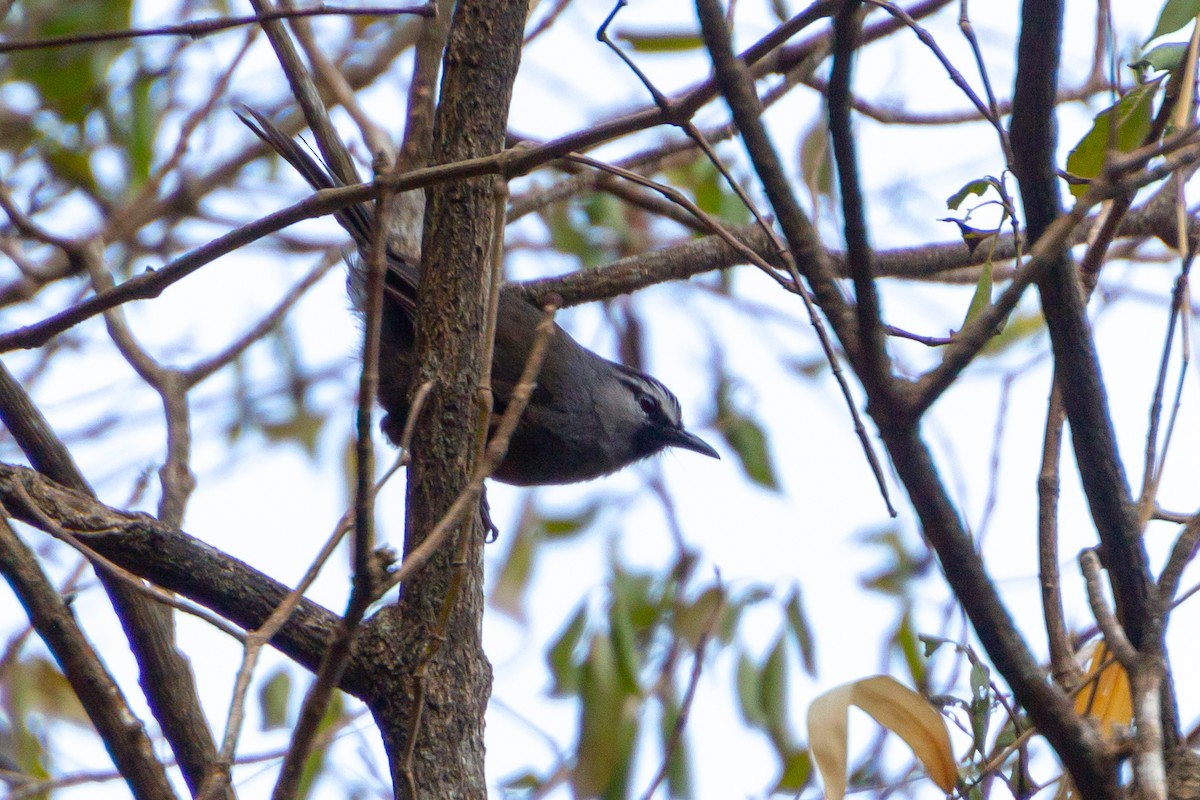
{"x": 204, "y": 27}
{"x": 255, "y": 641}
{"x": 1063, "y": 665}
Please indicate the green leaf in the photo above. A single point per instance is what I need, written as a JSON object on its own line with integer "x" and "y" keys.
{"x": 274, "y": 697}
{"x": 568, "y": 526}
{"x": 522, "y": 783}
{"x": 314, "y": 765}
{"x": 70, "y": 164}
{"x": 982, "y": 299}
{"x": 560, "y": 658}
{"x": 1174, "y": 15}
{"x": 508, "y": 590}
{"x": 1132, "y": 121}
{"x": 801, "y": 632}
{"x": 1016, "y": 329}
{"x": 739, "y": 602}
{"x": 691, "y": 620}
{"x": 22, "y": 746}
{"x": 710, "y": 190}
{"x": 747, "y": 440}
{"x": 749, "y": 681}
{"x": 602, "y": 210}
{"x": 662, "y": 41}
{"x": 594, "y": 228}
{"x": 607, "y": 726}
{"x": 43, "y": 689}
{"x": 566, "y": 235}
{"x": 980, "y": 706}
{"x": 809, "y": 366}
{"x": 624, "y": 642}
{"x": 932, "y": 644}
{"x": 981, "y": 679}
{"x": 797, "y": 771}
{"x": 1165, "y": 56}
{"x": 902, "y": 567}
{"x": 143, "y": 127}
{"x": 303, "y": 428}
{"x": 1006, "y": 737}
{"x": 905, "y": 639}
{"x": 816, "y": 161}
{"x": 35, "y": 693}
{"x": 715, "y": 196}
{"x": 977, "y": 187}
{"x": 772, "y": 694}
{"x": 980, "y": 722}
{"x": 70, "y": 80}
{"x": 641, "y": 595}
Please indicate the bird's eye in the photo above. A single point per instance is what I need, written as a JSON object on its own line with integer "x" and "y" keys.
{"x": 649, "y": 404}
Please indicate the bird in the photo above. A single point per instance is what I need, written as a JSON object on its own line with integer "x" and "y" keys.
{"x": 587, "y": 417}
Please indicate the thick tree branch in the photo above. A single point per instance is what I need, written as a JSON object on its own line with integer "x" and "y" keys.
{"x": 181, "y": 563}
{"x": 1076, "y": 364}
{"x": 1051, "y": 710}
{"x": 874, "y": 368}
{"x": 436, "y": 712}
{"x": 1077, "y": 368}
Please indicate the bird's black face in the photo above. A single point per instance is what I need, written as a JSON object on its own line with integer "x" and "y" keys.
{"x": 661, "y": 425}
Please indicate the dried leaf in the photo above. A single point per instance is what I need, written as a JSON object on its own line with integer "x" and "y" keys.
{"x": 1107, "y": 699}
{"x": 895, "y": 707}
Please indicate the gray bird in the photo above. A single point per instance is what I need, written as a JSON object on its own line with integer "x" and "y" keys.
{"x": 588, "y": 416}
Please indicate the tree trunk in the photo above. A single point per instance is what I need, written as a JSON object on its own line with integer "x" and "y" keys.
{"x": 435, "y": 652}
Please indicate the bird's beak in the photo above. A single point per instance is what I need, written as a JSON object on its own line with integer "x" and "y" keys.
{"x": 690, "y": 441}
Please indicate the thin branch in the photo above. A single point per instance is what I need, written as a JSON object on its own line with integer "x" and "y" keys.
{"x": 130, "y": 580}
{"x": 1110, "y": 627}
{"x": 805, "y": 253}
{"x": 1050, "y": 709}
{"x": 1050, "y": 246}
{"x": 203, "y": 27}
{"x": 927, "y": 39}
{"x": 255, "y": 641}
{"x": 99, "y": 694}
{"x": 201, "y": 370}
{"x": 804, "y": 244}
{"x": 1063, "y": 665}
{"x": 968, "y": 31}
{"x": 166, "y": 675}
{"x": 1182, "y": 553}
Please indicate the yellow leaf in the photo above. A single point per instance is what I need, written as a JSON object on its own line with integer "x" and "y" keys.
{"x": 827, "y": 730}
{"x": 1107, "y": 698}
{"x": 895, "y": 707}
